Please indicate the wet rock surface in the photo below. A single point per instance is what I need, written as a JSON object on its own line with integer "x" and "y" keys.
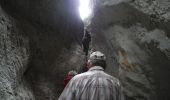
{"x": 136, "y": 43}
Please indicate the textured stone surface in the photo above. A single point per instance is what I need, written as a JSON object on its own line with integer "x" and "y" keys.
{"x": 14, "y": 55}
{"x": 157, "y": 9}
{"x": 39, "y": 44}
{"x": 134, "y": 34}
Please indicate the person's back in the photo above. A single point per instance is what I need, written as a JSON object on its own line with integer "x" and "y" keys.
{"x": 69, "y": 76}
{"x": 94, "y": 84}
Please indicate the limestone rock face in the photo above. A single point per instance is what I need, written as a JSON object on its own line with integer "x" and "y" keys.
{"x": 39, "y": 43}
{"x": 14, "y": 58}
{"x": 134, "y": 34}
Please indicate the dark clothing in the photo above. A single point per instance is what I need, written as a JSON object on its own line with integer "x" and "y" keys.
{"x": 83, "y": 68}
{"x": 86, "y": 41}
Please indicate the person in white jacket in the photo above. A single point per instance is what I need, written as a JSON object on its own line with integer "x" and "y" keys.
{"x": 94, "y": 84}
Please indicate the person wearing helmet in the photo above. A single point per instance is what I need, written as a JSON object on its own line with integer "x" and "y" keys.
{"x": 94, "y": 84}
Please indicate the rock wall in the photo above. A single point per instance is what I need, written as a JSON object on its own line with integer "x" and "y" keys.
{"x": 14, "y": 58}
{"x": 134, "y": 34}
{"x": 40, "y": 42}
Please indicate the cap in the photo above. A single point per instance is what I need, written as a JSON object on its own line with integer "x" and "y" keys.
{"x": 97, "y": 55}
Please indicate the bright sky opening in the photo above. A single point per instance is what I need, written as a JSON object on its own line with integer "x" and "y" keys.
{"x": 84, "y": 9}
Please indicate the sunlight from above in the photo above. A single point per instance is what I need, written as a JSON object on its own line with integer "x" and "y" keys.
{"x": 84, "y": 9}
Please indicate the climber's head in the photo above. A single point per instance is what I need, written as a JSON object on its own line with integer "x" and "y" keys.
{"x": 97, "y": 58}
{"x": 72, "y": 73}
{"x": 86, "y": 31}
